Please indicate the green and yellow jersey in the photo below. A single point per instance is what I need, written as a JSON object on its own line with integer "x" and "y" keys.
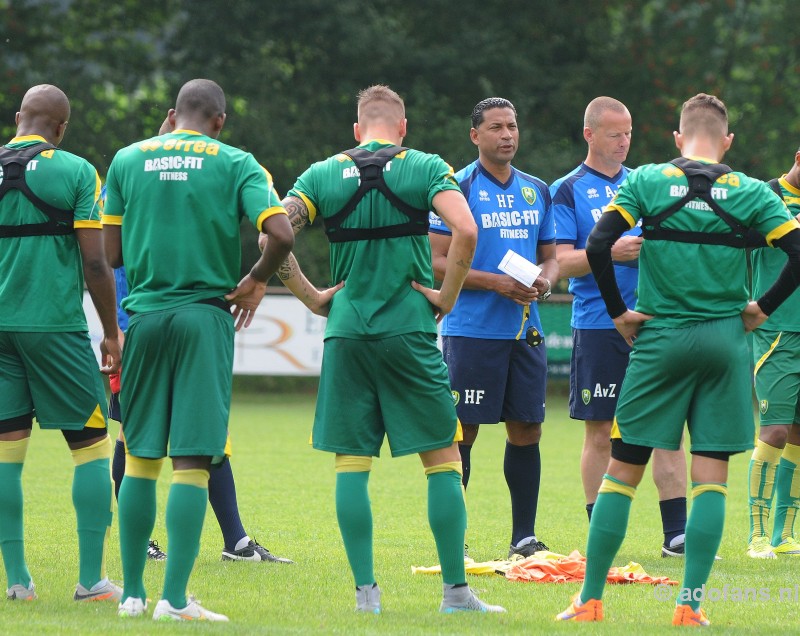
{"x": 41, "y": 277}
{"x": 180, "y": 199}
{"x": 767, "y": 265}
{"x": 377, "y": 300}
{"x": 681, "y": 283}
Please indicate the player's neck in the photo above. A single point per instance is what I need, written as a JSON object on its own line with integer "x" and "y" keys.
{"x": 500, "y": 171}
{"x": 703, "y": 148}
{"x": 609, "y": 169}
{"x": 393, "y": 139}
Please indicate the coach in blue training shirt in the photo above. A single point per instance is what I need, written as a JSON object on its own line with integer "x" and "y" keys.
{"x": 492, "y": 339}
{"x": 600, "y": 353}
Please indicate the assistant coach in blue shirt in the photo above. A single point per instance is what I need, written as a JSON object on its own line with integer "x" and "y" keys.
{"x": 599, "y": 353}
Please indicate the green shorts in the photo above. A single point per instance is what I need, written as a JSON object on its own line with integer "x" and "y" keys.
{"x": 53, "y": 375}
{"x": 176, "y": 382}
{"x": 777, "y": 376}
{"x": 395, "y": 386}
{"x": 699, "y": 374}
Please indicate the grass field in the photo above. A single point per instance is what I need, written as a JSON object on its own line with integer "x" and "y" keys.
{"x": 286, "y": 499}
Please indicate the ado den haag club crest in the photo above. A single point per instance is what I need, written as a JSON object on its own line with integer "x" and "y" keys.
{"x": 529, "y": 194}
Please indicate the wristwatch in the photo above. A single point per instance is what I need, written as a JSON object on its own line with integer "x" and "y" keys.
{"x": 546, "y": 294}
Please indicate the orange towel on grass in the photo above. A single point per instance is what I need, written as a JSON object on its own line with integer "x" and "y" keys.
{"x": 557, "y": 568}
{"x": 550, "y": 567}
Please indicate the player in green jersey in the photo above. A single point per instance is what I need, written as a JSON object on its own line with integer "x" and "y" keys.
{"x": 50, "y": 243}
{"x": 382, "y": 373}
{"x": 689, "y": 361}
{"x": 776, "y": 350}
{"x": 174, "y": 206}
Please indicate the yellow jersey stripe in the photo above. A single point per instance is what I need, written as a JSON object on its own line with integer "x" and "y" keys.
{"x": 275, "y": 209}
{"x": 625, "y": 214}
{"x": 312, "y": 209}
{"x": 94, "y": 225}
{"x": 782, "y": 230}
{"x": 788, "y": 186}
{"x": 109, "y": 219}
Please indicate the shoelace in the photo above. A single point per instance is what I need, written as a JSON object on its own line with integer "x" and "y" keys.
{"x": 255, "y": 545}
{"x": 155, "y": 548}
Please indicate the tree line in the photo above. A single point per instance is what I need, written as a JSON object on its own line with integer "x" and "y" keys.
{"x": 291, "y": 72}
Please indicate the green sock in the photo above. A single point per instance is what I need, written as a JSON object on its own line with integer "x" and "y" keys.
{"x": 354, "y": 512}
{"x": 787, "y": 492}
{"x": 703, "y": 536}
{"x": 137, "y": 516}
{"x": 447, "y": 516}
{"x": 12, "y": 543}
{"x": 186, "y": 511}
{"x": 761, "y": 479}
{"x": 606, "y": 533}
{"x": 91, "y": 496}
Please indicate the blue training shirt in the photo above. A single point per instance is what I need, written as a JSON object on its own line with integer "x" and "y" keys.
{"x": 516, "y": 215}
{"x": 578, "y": 201}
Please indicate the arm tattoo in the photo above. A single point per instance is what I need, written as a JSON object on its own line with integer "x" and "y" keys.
{"x": 288, "y": 269}
{"x": 297, "y": 211}
{"x": 466, "y": 263}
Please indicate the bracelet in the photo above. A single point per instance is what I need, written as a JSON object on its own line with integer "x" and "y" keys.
{"x": 546, "y": 294}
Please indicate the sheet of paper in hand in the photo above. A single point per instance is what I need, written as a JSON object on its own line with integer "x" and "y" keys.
{"x": 519, "y": 268}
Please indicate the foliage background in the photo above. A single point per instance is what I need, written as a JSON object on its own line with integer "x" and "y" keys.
{"x": 291, "y": 72}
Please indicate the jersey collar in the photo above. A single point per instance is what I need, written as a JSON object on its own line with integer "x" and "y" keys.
{"x": 788, "y": 185}
{"x": 185, "y": 131}
{"x": 24, "y": 138}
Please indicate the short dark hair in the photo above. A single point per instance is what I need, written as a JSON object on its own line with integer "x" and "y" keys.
{"x": 705, "y": 113}
{"x": 488, "y": 104}
{"x": 202, "y": 97}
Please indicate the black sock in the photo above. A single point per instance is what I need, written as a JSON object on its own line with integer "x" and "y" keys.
{"x": 466, "y": 463}
{"x": 118, "y": 466}
{"x": 222, "y": 497}
{"x": 522, "y": 467}
{"x": 673, "y": 518}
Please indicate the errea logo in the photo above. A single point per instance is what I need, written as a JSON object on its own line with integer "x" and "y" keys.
{"x": 483, "y": 195}
{"x": 592, "y": 193}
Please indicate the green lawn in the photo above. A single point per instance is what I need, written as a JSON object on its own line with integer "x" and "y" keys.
{"x": 286, "y": 500}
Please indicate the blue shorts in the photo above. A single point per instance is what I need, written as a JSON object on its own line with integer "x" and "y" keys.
{"x": 597, "y": 368}
{"x": 496, "y": 380}
{"x": 114, "y": 409}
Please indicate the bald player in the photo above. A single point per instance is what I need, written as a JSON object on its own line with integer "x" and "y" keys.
{"x": 175, "y": 203}
{"x": 50, "y": 244}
